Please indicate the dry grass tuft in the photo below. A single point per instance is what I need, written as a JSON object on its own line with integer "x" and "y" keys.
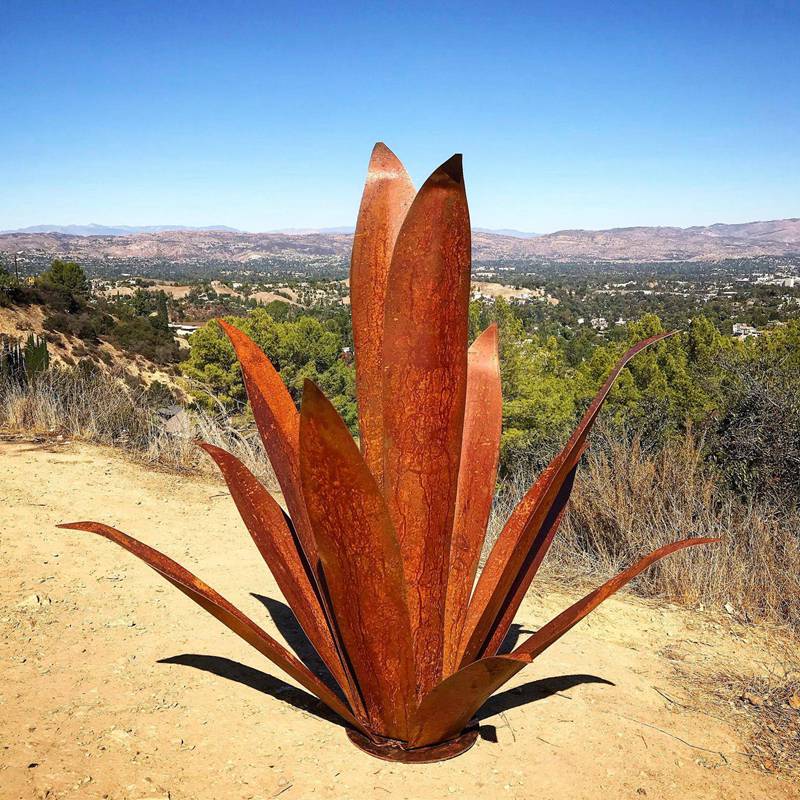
{"x": 766, "y": 705}
{"x": 628, "y": 501}
{"x": 97, "y": 407}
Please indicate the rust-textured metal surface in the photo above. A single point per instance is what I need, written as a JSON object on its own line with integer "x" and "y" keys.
{"x": 424, "y": 387}
{"x": 530, "y": 566}
{"x": 477, "y": 474}
{"x": 388, "y": 193}
{"x": 512, "y": 547}
{"x": 398, "y": 752}
{"x": 453, "y": 702}
{"x": 266, "y": 523}
{"x": 227, "y": 614}
{"x": 278, "y": 423}
{"x": 445, "y": 710}
{"x": 361, "y": 562}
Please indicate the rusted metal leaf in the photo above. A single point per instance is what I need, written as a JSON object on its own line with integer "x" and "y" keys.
{"x": 477, "y": 474}
{"x": 388, "y": 193}
{"x": 278, "y": 423}
{"x": 275, "y": 541}
{"x": 424, "y": 386}
{"x": 361, "y": 563}
{"x": 514, "y": 544}
{"x": 227, "y": 614}
{"x": 448, "y": 708}
{"x": 557, "y": 627}
{"x": 530, "y": 566}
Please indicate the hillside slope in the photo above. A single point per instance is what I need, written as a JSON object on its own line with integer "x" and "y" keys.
{"x": 115, "y": 685}
{"x": 20, "y": 321}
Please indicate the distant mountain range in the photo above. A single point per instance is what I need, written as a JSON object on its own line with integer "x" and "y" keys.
{"x": 508, "y": 232}
{"x": 306, "y": 231}
{"x": 93, "y": 229}
{"x": 775, "y": 237}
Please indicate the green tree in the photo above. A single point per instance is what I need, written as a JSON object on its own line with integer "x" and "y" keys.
{"x": 65, "y": 276}
{"x": 300, "y": 349}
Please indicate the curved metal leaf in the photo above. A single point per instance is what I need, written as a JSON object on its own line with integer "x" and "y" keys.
{"x": 530, "y": 566}
{"x": 424, "y": 387}
{"x": 513, "y": 547}
{"x": 227, "y": 614}
{"x": 388, "y": 193}
{"x": 477, "y": 474}
{"x": 278, "y": 423}
{"x": 446, "y": 710}
{"x": 275, "y": 541}
{"x": 361, "y": 564}
{"x": 557, "y": 627}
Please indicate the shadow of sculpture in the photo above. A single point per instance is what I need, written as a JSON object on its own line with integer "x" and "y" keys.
{"x": 515, "y": 633}
{"x": 268, "y": 684}
{"x": 287, "y": 625}
{"x": 289, "y": 628}
{"x": 258, "y": 680}
{"x": 532, "y": 691}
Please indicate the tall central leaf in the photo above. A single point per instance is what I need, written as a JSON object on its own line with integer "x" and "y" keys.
{"x": 424, "y": 385}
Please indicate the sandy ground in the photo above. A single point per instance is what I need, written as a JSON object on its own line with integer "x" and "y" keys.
{"x": 117, "y": 686}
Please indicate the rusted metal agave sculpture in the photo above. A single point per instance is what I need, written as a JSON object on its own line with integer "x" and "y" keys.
{"x": 379, "y": 551}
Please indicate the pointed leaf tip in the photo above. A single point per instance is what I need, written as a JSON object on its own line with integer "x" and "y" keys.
{"x": 453, "y": 168}
{"x": 380, "y": 150}
{"x": 388, "y": 194}
{"x": 312, "y": 394}
{"x": 384, "y": 163}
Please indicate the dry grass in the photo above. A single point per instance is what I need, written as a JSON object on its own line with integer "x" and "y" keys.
{"x": 628, "y": 502}
{"x": 97, "y": 407}
{"x": 765, "y": 704}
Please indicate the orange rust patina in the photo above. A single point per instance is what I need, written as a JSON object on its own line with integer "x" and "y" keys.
{"x": 379, "y": 551}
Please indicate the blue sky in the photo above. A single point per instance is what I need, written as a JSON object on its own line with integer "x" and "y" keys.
{"x": 262, "y": 115}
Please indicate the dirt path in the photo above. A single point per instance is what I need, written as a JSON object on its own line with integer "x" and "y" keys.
{"x": 90, "y": 709}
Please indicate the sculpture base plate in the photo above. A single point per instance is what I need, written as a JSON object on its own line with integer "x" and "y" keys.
{"x": 392, "y": 751}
